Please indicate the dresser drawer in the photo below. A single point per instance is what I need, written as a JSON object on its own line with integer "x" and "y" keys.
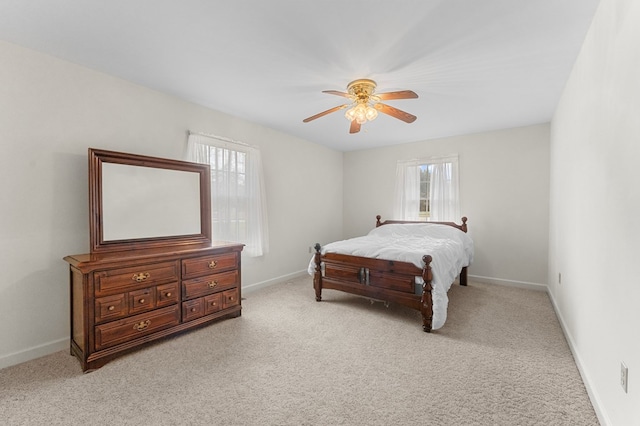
{"x": 120, "y": 331}
{"x": 111, "y": 307}
{"x": 142, "y": 300}
{"x": 166, "y": 294}
{"x": 212, "y": 303}
{"x": 198, "y": 266}
{"x": 124, "y": 279}
{"x": 208, "y": 284}
{"x": 192, "y": 309}
{"x": 230, "y": 298}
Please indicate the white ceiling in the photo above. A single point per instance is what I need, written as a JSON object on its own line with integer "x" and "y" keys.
{"x": 476, "y": 65}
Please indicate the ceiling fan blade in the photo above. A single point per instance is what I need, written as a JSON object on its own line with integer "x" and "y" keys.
{"x": 323, "y": 113}
{"x": 402, "y": 94}
{"x": 335, "y": 92}
{"x": 355, "y": 127}
{"x": 395, "y": 112}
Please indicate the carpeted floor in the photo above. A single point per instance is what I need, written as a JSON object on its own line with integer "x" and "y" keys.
{"x": 500, "y": 359}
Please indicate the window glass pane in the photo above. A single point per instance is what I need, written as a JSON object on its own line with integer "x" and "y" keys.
{"x": 425, "y": 180}
{"x": 241, "y": 162}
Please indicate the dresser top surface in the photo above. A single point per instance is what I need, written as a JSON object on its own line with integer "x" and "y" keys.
{"x": 95, "y": 260}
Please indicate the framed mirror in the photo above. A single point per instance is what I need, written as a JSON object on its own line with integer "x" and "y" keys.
{"x": 140, "y": 202}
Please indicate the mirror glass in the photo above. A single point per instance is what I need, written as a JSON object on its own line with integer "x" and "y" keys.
{"x": 135, "y": 205}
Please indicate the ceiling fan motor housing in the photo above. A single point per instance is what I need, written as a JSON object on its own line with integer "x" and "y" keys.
{"x": 361, "y": 89}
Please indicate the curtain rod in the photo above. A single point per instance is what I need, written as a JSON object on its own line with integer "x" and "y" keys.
{"x": 430, "y": 159}
{"x": 221, "y": 138}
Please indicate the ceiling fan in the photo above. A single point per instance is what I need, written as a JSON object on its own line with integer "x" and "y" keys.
{"x": 365, "y": 104}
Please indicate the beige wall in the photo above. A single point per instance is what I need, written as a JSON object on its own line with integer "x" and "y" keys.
{"x": 51, "y": 111}
{"x": 594, "y": 206}
{"x": 504, "y": 191}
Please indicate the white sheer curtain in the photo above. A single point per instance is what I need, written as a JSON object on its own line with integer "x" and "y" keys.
{"x": 238, "y": 200}
{"x": 444, "y": 192}
{"x": 407, "y": 194}
{"x": 443, "y": 189}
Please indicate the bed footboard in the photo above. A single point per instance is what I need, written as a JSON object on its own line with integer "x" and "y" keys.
{"x": 386, "y": 280}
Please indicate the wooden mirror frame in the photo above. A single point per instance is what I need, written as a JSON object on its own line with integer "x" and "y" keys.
{"x": 96, "y": 233}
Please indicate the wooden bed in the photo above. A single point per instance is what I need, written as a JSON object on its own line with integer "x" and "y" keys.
{"x": 380, "y": 279}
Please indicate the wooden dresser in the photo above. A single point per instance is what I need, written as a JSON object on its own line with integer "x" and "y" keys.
{"x": 122, "y": 300}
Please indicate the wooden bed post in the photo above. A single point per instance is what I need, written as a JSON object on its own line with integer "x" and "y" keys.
{"x": 463, "y": 227}
{"x": 426, "y": 301}
{"x": 317, "y": 275}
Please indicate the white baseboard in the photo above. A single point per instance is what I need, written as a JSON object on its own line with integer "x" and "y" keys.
{"x": 253, "y": 287}
{"x": 512, "y": 283}
{"x": 593, "y": 395}
{"x": 33, "y": 353}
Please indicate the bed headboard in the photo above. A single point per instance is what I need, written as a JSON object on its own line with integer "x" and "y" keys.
{"x": 462, "y": 227}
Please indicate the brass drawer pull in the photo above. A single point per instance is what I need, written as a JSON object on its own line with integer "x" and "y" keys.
{"x": 231, "y": 298}
{"x": 213, "y": 264}
{"x": 213, "y": 303}
{"x": 141, "y": 301}
{"x": 111, "y": 308}
{"x": 168, "y": 295}
{"x": 194, "y": 309}
{"x": 140, "y": 277}
{"x": 142, "y": 325}
{"x": 213, "y": 284}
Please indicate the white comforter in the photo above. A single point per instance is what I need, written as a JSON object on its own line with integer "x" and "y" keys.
{"x": 450, "y": 248}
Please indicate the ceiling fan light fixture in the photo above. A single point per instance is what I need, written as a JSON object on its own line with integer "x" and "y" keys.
{"x": 365, "y": 105}
{"x": 361, "y": 113}
{"x": 371, "y": 113}
{"x": 350, "y": 114}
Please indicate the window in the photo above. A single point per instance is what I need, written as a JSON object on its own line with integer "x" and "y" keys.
{"x": 427, "y": 189}
{"x": 238, "y": 202}
{"x": 425, "y": 179}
